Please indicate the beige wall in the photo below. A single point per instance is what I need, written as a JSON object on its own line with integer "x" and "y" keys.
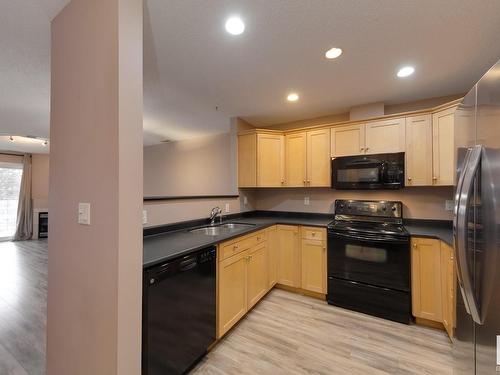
{"x": 95, "y": 271}
{"x": 419, "y": 203}
{"x": 198, "y": 166}
{"x": 40, "y": 181}
{"x": 168, "y": 212}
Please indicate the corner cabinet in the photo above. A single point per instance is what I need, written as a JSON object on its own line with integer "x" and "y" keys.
{"x": 261, "y": 159}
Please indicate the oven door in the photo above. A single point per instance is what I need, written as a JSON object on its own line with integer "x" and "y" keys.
{"x": 378, "y": 260}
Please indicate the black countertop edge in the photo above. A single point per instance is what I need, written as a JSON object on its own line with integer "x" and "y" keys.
{"x": 173, "y": 198}
{"x": 444, "y": 224}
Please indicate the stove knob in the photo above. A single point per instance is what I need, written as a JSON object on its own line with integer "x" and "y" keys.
{"x": 384, "y": 208}
{"x": 394, "y": 208}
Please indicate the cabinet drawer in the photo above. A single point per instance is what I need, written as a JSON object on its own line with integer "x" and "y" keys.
{"x": 230, "y": 248}
{"x": 312, "y": 233}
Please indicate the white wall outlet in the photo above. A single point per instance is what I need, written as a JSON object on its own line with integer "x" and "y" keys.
{"x": 228, "y": 209}
{"x": 306, "y": 201}
{"x": 144, "y": 217}
{"x": 84, "y": 213}
{"x": 449, "y": 205}
{"x": 245, "y": 201}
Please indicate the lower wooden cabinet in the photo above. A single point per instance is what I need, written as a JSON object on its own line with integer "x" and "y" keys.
{"x": 257, "y": 274}
{"x": 232, "y": 291}
{"x": 448, "y": 280}
{"x": 288, "y": 255}
{"x": 272, "y": 255}
{"x": 313, "y": 260}
{"x": 433, "y": 281}
{"x": 249, "y": 266}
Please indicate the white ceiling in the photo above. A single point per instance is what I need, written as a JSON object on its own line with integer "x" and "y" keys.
{"x": 192, "y": 65}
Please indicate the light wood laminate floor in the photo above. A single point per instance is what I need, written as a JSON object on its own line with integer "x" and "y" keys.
{"x": 23, "y": 307}
{"x": 288, "y": 333}
{"x": 285, "y": 333}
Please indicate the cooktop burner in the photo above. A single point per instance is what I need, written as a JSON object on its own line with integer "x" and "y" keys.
{"x": 375, "y": 217}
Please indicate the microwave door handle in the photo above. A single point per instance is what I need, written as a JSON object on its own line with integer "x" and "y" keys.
{"x": 461, "y": 230}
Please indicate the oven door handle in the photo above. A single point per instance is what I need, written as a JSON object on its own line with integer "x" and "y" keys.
{"x": 365, "y": 238}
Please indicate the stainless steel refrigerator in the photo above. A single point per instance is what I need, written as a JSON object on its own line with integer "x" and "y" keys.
{"x": 477, "y": 228}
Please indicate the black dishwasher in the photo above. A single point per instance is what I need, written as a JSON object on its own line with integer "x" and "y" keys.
{"x": 179, "y": 313}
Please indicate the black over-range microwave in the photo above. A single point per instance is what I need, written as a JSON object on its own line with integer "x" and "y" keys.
{"x": 380, "y": 171}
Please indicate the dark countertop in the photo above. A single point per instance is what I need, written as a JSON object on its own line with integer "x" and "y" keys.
{"x": 440, "y": 229}
{"x": 167, "y": 242}
{"x": 170, "y": 244}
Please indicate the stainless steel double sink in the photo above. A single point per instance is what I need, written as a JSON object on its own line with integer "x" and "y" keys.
{"x": 215, "y": 230}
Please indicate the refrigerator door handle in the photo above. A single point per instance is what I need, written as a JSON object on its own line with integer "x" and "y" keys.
{"x": 464, "y": 191}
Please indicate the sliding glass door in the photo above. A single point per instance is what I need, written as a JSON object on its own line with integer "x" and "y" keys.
{"x": 10, "y": 184}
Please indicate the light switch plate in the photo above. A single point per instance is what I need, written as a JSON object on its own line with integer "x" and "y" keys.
{"x": 306, "y": 201}
{"x": 449, "y": 205}
{"x": 84, "y": 213}
{"x": 228, "y": 209}
{"x": 144, "y": 217}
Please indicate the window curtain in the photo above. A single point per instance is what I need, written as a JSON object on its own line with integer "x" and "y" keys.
{"x": 24, "y": 227}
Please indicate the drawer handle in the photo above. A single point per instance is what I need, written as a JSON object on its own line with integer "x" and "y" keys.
{"x": 313, "y": 234}
{"x": 258, "y": 238}
{"x": 235, "y": 247}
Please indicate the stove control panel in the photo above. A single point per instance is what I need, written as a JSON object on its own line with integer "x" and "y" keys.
{"x": 392, "y": 209}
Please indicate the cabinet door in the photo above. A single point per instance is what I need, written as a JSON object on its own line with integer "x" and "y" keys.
{"x": 288, "y": 255}
{"x": 426, "y": 279}
{"x": 295, "y": 160}
{"x": 247, "y": 160}
{"x": 443, "y": 147}
{"x": 313, "y": 264}
{"x": 232, "y": 282}
{"x": 272, "y": 255}
{"x": 418, "y": 163}
{"x": 348, "y": 140}
{"x": 257, "y": 274}
{"x": 385, "y": 136}
{"x": 270, "y": 160}
{"x": 318, "y": 158}
{"x": 448, "y": 287}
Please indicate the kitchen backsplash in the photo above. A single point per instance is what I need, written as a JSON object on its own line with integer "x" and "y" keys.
{"x": 418, "y": 202}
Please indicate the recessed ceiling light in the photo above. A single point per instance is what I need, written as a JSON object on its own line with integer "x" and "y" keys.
{"x": 406, "y": 71}
{"x": 333, "y": 53}
{"x": 235, "y": 25}
{"x": 292, "y": 97}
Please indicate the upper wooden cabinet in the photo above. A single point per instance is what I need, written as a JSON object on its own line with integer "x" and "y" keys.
{"x": 318, "y": 158}
{"x": 443, "y": 147}
{"x": 385, "y": 136}
{"x": 307, "y": 161}
{"x": 348, "y": 140}
{"x": 295, "y": 160}
{"x": 375, "y": 137}
{"x": 302, "y": 158}
{"x": 418, "y": 157}
{"x": 261, "y": 160}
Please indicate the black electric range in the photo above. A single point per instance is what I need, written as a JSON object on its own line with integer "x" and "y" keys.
{"x": 369, "y": 259}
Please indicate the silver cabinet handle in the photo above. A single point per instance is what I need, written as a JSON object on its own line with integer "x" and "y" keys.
{"x": 465, "y": 188}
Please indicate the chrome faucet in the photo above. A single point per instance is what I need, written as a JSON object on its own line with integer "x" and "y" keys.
{"x": 215, "y": 211}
